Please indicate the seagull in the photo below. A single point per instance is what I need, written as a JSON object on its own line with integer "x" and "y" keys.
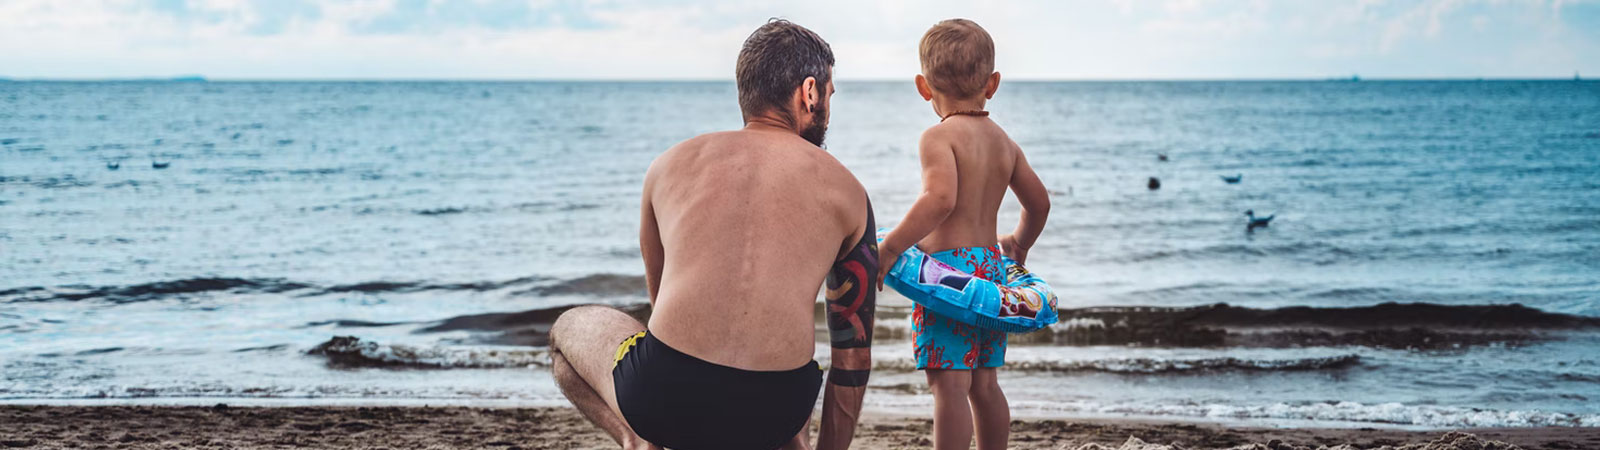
{"x": 1234, "y": 179}
{"x": 1256, "y": 222}
{"x": 113, "y": 165}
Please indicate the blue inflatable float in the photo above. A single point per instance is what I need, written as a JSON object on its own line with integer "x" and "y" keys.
{"x": 1022, "y": 304}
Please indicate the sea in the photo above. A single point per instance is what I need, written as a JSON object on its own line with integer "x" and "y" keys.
{"x": 1433, "y": 259}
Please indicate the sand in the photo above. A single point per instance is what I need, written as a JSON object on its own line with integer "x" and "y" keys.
{"x": 151, "y": 427}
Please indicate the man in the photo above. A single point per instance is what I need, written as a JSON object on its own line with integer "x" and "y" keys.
{"x": 739, "y": 230}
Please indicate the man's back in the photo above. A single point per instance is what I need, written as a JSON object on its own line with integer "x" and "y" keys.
{"x": 750, "y": 223}
{"x": 985, "y": 158}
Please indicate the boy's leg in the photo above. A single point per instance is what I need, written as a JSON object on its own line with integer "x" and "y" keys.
{"x": 583, "y": 345}
{"x": 990, "y": 412}
{"x": 952, "y": 415}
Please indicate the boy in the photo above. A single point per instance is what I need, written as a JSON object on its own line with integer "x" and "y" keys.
{"x": 967, "y": 164}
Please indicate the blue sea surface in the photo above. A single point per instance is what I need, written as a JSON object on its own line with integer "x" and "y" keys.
{"x": 1433, "y": 261}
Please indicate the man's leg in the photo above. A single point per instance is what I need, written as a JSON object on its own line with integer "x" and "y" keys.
{"x": 952, "y": 415}
{"x": 801, "y": 441}
{"x": 583, "y": 346}
{"x": 991, "y": 413}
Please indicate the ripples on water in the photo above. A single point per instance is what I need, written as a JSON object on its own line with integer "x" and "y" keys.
{"x": 441, "y": 226}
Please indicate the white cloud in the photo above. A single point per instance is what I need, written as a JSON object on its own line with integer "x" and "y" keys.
{"x": 639, "y": 39}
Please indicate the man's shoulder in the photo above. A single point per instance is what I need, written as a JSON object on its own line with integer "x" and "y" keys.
{"x": 830, "y": 168}
{"x": 699, "y": 142}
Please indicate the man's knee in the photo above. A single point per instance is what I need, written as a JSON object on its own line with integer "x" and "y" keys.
{"x": 569, "y": 321}
{"x": 573, "y": 321}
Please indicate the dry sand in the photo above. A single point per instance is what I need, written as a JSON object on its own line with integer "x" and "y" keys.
{"x": 147, "y": 427}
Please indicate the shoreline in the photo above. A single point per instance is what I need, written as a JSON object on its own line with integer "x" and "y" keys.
{"x": 225, "y": 426}
{"x": 1018, "y": 413}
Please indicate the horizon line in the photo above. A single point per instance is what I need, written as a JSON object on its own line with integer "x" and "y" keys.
{"x": 204, "y": 79}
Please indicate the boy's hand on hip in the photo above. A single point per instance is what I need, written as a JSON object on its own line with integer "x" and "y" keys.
{"x": 1013, "y": 249}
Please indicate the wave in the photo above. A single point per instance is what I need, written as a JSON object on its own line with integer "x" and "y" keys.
{"x": 604, "y": 284}
{"x": 1395, "y": 326}
{"x": 530, "y": 328}
{"x": 150, "y": 291}
{"x": 595, "y": 285}
{"x": 440, "y": 211}
{"x": 405, "y": 286}
{"x": 1386, "y": 325}
{"x": 1318, "y": 252}
{"x": 1342, "y": 411}
{"x": 1154, "y": 366}
{"x": 62, "y": 182}
{"x": 352, "y": 352}
{"x": 1454, "y": 440}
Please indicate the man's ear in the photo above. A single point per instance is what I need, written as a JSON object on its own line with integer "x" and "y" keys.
{"x": 810, "y": 94}
{"x": 922, "y": 88}
{"x": 993, "y": 85}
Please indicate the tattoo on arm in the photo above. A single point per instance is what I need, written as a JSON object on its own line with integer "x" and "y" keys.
{"x": 848, "y": 378}
{"x": 852, "y": 294}
{"x": 851, "y": 300}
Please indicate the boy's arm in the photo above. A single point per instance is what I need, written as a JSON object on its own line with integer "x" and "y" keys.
{"x": 932, "y": 207}
{"x": 1035, "y": 210}
{"x": 852, "y": 305}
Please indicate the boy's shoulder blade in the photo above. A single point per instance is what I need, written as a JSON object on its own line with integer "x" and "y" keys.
{"x": 939, "y": 132}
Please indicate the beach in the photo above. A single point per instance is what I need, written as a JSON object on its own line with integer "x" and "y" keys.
{"x": 221, "y": 426}
{"x": 394, "y": 244}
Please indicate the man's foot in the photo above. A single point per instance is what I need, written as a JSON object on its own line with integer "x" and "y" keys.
{"x": 636, "y": 443}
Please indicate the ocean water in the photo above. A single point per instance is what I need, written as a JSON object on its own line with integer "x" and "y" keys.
{"x": 1434, "y": 260}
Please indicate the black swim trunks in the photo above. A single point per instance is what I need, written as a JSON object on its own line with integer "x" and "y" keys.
{"x": 679, "y": 401}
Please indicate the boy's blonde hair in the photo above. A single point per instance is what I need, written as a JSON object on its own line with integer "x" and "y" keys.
{"x": 957, "y": 58}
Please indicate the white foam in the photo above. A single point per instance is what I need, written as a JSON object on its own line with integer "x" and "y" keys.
{"x": 1430, "y": 416}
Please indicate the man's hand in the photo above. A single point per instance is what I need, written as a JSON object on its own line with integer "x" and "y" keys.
{"x": 1012, "y": 248}
{"x": 887, "y": 256}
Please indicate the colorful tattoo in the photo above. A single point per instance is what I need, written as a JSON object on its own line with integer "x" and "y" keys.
{"x": 852, "y": 291}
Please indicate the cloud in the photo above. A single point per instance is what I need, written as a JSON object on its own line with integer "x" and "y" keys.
{"x": 676, "y": 39}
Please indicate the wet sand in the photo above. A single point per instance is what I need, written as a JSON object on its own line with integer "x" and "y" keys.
{"x": 150, "y": 427}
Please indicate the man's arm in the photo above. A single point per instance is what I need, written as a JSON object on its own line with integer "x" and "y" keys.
{"x": 650, "y": 242}
{"x": 938, "y": 199}
{"x": 1035, "y": 210}
{"x": 851, "y": 302}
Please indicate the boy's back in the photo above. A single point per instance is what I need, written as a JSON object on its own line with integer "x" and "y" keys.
{"x": 984, "y": 158}
{"x": 968, "y": 162}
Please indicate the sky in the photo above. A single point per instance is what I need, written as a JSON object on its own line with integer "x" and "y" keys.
{"x": 700, "y": 39}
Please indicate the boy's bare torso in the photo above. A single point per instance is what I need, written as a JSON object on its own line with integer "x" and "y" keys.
{"x": 985, "y": 159}
{"x": 749, "y": 223}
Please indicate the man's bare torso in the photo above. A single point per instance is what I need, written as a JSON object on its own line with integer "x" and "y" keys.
{"x": 985, "y": 158}
{"x": 749, "y": 223}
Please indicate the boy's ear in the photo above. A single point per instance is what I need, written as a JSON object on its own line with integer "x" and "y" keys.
{"x": 922, "y": 88}
{"x": 994, "y": 85}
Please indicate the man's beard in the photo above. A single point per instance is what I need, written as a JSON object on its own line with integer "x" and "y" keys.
{"x": 817, "y": 130}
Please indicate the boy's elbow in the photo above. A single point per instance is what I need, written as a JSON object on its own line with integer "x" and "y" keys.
{"x": 1040, "y": 207}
